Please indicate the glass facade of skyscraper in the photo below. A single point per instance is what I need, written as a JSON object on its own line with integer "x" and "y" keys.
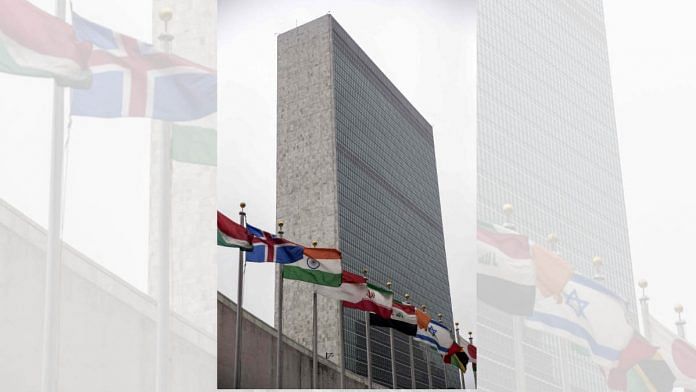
{"x": 389, "y": 208}
{"x": 547, "y": 144}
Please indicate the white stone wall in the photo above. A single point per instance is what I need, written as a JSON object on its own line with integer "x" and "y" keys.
{"x": 306, "y": 172}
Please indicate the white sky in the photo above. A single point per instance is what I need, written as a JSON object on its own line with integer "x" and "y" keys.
{"x": 652, "y": 61}
{"x": 653, "y": 64}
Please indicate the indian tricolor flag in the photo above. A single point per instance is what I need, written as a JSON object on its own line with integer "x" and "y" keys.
{"x": 35, "y": 43}
{"x": 320, "y": 266}
{"x": 232, "y": 234}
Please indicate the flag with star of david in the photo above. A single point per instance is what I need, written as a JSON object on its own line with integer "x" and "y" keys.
{"x": 588, "y": 314}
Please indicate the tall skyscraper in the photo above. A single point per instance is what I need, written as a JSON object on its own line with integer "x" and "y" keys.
{"x": 547, "y": 144}
{"x": 356, "y": 170}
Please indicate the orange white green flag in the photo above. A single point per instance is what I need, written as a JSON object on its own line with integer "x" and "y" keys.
{"x": 320, "y": 266}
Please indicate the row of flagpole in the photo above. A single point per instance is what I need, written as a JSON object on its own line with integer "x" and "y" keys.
{"x": 341, "y": 356}
{"x": 52, "y": 283}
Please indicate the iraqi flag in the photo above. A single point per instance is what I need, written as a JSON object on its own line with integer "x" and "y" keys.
{"x": 679, "y": 354}
{"x": 35, "y": 43}
{"x": 356, "y": 293}
{"x": 433, "y": 333}
{"x": 505, "y": 275}
{"x": 232, "y": 234}
{"x": 403, "y": 319}
{"x": 270, "y": 248}
{"x": 320, "y": 266}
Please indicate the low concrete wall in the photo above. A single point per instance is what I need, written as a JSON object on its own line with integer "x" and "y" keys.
{"x": 258, "y": 356}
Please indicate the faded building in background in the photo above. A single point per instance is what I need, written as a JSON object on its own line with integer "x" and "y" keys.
{"x": 356, "y": 171}
{"x": 547, "y": 144}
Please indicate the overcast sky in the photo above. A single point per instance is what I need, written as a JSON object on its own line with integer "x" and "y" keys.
{"x": 653, "y": 65}
{"x": 653, "y": 68}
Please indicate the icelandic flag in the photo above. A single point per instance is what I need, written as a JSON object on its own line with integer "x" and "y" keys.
{"x": 272, "y": 249}
{"x": 133, "y": 79}
{"x": 588, "y": 314}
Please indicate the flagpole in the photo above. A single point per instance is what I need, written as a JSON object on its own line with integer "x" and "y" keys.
{"x": 462, "y": 384}
{"x": 279, "y": 316}
{"x": 165, "y": 174}
{"x": 473, "y": 365}
{"x": 444, "y": 369}
{"x": 680, "y": 323}
{"x": 393, "y": 352}
{"x": 426, "y": 354}
{"x": 410, "y": 350}
{"x": 552, "y": 240}
{"x": 315, "y": 331}
{"x": 341, "y": 345}
{"x": 240, "y": 308}
{"x": 645, "y": 311}
{"x": 52, "y": 289}
{"x": 367, "y": 342}
{"x": 517, "y": 323}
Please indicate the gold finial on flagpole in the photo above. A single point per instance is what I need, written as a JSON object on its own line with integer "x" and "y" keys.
{"x": 439, "y": 317}
{"x": 408, "y": 297}
{"x": 314, "y": 243}
{"x": 280, "y": 227}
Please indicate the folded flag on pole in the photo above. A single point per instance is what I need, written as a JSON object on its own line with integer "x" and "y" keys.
{"x": 459, "y": 356}
{"x": 637, "y": 350}
{"x": 133, "y": 79}
{"x": 433, "y": 333}
{"x": 231, "y": 233}
{"x": 35, "y": 43}
{"x": 270, "y": 248}
{"x": 320, "y": 266}
{"x": 356, "y": 293}
{"x": 403, "y": 319}
{"x": 505, "y": 275}
{"x": 679, "y": 354}
{"x": 590, "y": 315}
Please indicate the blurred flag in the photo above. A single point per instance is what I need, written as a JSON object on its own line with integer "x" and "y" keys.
{"x": 35, "y": 43}
{"x": 320, "y": 266}
{"x": 403, "y": 319}
{"x": 133, "y": 79}
{"x": 272, "y": 249}
{"x": 637, "y": 350}
{"x": 650, "y": 375}
{"x": 679, "y": 354}
{"x": 459, "y": 356}
{"x": 433, "y": 333}
{"x": 552, "y": 272}
{"x": 505, "y": 276}
{"x": 232, "y": 234}
{"x": 588, "y": 314}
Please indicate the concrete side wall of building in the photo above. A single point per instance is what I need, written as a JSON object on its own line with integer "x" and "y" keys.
{"x": 258, "y": 356}
{"x": 107, "y": 327}
{"x": 306, "y": 168}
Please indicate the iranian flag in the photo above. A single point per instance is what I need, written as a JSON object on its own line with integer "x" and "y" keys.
{"x": 320, "y": 266}
{"x": 679, "y": 354}
{"x": 356, "y": 293}
{"x": 35, "y": 43}
{"x": 232, "y": 234}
